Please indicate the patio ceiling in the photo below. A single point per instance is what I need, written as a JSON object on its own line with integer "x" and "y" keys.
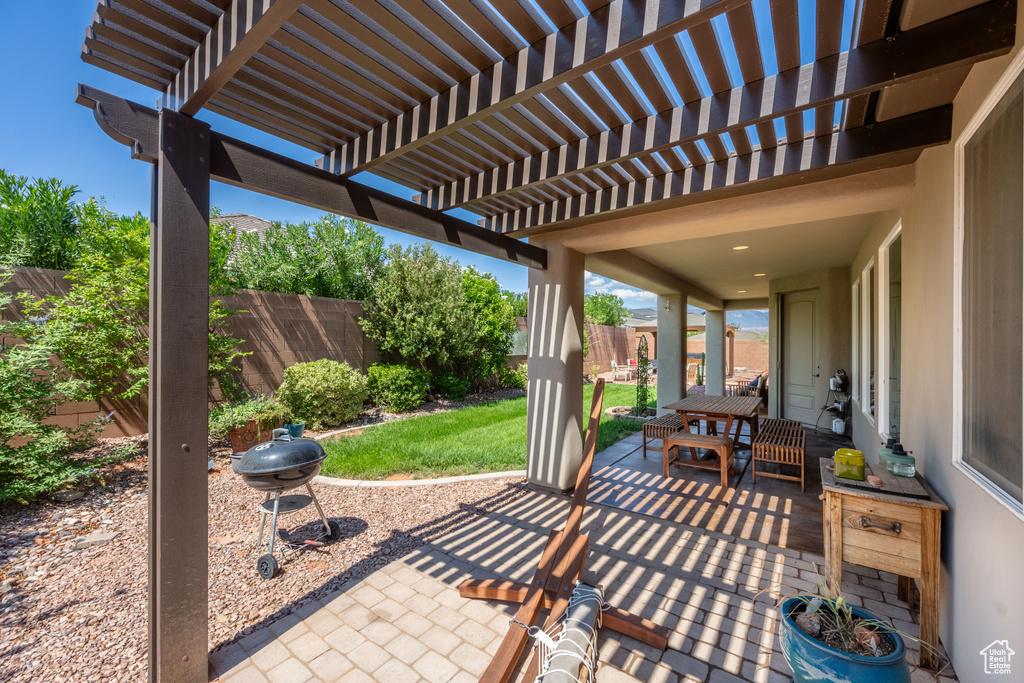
{"x": 780, "y": 252}
{"x": 539, "y": 114}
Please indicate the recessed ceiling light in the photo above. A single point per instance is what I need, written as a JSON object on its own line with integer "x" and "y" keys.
{"x": 741, "y": 291}
{"x": 740, "y": 248}
{"x": 758, "y": 274}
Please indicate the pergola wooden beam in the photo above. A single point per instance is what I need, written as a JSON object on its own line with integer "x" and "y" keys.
{"x": 610, "y": 33}
{"x": 982, "y": 33}
{"x": 873, "y": 144}
{"x": 239, "y": 32}
{"x": 243, "y": 165}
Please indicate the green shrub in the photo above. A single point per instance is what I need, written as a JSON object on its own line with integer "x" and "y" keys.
{"x": 39, "y": 225}
{"x": 322, "y": 393}
{"x": 493, "y": 321}
{"x": 332, "y": 257}
{"x": 267, "y": 412}
{"x": 513, "y": 378}
{"x": 100, "y": 328}
{"x": 35, "y": 457}
{"x": 451, "y": 386}
{"x": 398, "y": 387}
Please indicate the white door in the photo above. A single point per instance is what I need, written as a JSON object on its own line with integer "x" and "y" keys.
{"x": 800, "y": 371}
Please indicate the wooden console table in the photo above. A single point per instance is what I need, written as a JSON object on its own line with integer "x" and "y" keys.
{"x": 893, "y": 529}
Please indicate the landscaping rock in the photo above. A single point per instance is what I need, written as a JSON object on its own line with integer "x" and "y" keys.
{"x": 809, "y": 623}
{"x": 100, "y": 630}
{"x": 97, "y": 538}
{"x": 67, "y": 496}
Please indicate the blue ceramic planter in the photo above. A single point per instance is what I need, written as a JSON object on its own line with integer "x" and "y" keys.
{"x": 813, "y": 661}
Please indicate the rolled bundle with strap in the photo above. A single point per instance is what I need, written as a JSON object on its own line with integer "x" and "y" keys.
{"x": 573, "y": 659}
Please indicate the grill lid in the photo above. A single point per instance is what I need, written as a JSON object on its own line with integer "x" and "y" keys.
{"x": 280, "y": 455}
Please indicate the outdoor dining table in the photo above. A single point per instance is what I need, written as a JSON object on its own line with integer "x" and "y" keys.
{"x": 728, "y": 409}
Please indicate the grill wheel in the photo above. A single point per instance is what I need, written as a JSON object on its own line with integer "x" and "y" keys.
{"x": 267, "y": 566}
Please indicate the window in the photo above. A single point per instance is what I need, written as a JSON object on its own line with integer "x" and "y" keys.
{"x": 855, "y": 356}
{"x": 989, "y": 294}
{"x": 867, "y": 340}
{"x": 890, "y": 332}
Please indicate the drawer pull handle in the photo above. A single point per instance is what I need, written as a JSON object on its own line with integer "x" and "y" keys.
{"x": 866, "y": 521}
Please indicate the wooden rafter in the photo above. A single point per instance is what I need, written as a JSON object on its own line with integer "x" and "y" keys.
{"x": 609, "y": 33}
{"x": 874, "y": 145}
{"x": 244, "y": 165}
{"x": 921, "y": 52}
{"x": 235, "y": 37}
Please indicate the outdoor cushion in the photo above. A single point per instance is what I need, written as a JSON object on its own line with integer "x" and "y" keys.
{"x": 753, "y": 382}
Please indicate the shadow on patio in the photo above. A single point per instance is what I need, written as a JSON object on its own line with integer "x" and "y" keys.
{"x": 708, "y": 564}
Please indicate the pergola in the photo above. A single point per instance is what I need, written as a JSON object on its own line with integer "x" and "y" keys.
{"x": 536, "y": 115}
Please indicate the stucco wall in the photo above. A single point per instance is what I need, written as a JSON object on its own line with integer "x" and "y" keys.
{"x": 982, "y": 541}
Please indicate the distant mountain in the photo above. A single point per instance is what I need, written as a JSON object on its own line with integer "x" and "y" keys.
{"x": 754, "y": 321}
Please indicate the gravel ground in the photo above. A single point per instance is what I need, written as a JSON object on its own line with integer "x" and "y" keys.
{"x": 74, "y": 613}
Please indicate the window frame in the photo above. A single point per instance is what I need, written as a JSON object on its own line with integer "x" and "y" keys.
{"x": 867, "y": 341}
{"x": 979, "y": 118}
{"x": 855, "y": 341}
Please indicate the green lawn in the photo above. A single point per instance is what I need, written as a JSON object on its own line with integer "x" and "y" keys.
{"x": 486, "y": 438}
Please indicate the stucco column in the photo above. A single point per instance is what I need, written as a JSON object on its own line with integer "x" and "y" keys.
{"x": 714, "y": 366}
{"x": 671, "y": 349}
{"x": 555, "y": 364}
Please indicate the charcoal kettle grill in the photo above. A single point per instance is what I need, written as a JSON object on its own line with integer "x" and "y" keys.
{"x": 282, "y": 464}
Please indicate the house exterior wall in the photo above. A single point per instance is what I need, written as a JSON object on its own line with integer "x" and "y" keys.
{"x": 982, "y": 541}
{"x": 832, "y": 327}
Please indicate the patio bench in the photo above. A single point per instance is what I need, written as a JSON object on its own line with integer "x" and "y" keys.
{"x": 780, "y": 442}
{"x": 722, "y": 445}
{"x": 663, "y": 426}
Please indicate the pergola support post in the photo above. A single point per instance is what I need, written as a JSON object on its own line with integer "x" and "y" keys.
{"x": 714, "y": 347}
{"x": 555, "y": 369}
{"x": 671, "y": 348}
{"x": 178, "y": 366}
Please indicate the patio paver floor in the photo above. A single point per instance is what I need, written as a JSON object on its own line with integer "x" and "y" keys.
{"x": 407, "y": 622}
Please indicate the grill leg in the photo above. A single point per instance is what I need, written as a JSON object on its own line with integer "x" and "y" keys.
{"x": 263, "y": 522}
{"x": 323, "y": 517}
{"x": 273, "y": 522}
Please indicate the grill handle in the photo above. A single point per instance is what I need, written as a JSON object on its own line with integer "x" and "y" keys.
{"x": 280, "y": 434}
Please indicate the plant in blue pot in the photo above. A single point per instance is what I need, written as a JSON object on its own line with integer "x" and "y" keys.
{"x": 295, "y": 427}
{"x": 829, "y": 640}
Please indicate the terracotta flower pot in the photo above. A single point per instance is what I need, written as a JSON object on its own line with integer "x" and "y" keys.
{"x": 244, "y": 438}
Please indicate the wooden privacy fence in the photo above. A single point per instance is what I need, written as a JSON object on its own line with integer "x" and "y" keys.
{"x": 279, "y": 330}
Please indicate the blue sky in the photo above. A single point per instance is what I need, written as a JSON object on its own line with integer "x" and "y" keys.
{"x": 43, "y": 133}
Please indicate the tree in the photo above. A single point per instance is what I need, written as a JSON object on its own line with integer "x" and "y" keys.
{"x": 418, "y": 313}
{"x": 38, "y": 222}
{"x": 100, "y": 328}
{"x": 495, "y": 323}
{"x": 332, "y": 257}
{"x": 604, "y": 309}
{"x": 518, "y": 302}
